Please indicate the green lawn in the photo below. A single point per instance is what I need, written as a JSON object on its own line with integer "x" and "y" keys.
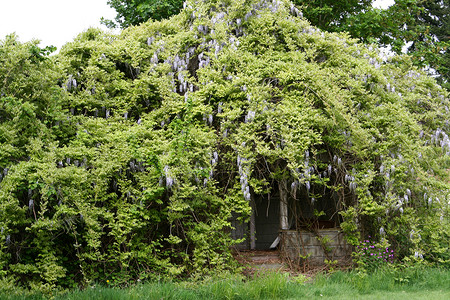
{"x": 396, "y": 284}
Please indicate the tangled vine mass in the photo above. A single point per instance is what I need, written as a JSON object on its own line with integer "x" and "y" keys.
{"x": 124, "y": 156}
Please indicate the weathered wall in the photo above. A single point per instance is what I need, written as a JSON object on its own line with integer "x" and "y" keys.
{"x": 239, "y": 231}
{"x": 296, "y": 245}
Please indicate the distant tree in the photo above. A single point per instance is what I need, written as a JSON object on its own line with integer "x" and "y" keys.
{"x": 134, "y": 12}
{"x": 332, "y": 15}
{"x": 422, "y": 26}
{"x": 432, "y": 38}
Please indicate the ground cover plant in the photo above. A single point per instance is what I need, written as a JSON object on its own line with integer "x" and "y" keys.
{"x": 372, "y": 256}
{"x": 123, "y": 157}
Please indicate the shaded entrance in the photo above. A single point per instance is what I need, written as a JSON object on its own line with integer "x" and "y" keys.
{"x": 301, "y": 228}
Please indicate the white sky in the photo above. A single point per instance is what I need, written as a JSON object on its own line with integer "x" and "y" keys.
{"x": 56, "y": 22}
{"x": 383, "y": 3}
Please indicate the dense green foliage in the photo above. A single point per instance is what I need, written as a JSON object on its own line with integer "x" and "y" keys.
{"x": 420, "y": 26}
{"x": 123, "y": 157}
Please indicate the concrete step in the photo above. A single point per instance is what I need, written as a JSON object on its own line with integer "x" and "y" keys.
{"x": 265, "y": 259}
{"x": 256, "y": 261}
{"x": 273, "y": 267}
{"x": 262, "y": 257}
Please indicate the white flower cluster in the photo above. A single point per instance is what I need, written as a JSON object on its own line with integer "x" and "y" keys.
{"x": 169, "y": 179}
{"x": 71, "y": 84}
{"x": 310, "y": 30}
{"x": 3, "y": 173}
{"x": 250, "y": 116}
{"x": 180, "y": 63}
{"x": 204, "y": 60}
{"x": 155, "y": 59}
{"x": 295, "y": 12}
{"x": 8, "y": 237}
{"x": 440, "y": 138}
{"x": 203, "y": 29}
{"x": 305, "y": 177}
{"x": 215, "y": 158}
{"x": 244, "y": 170}
{"x": 352, "y": 185}
{"x": 68, "y": 161}
{"x": 136, "y": 166}
{"x": 413, "y": 74}
{"x": 390, "y": 88}
{"x": 337, "y": 160}
{"x": 272, "y": 5}
{"x": 218, "y": 17}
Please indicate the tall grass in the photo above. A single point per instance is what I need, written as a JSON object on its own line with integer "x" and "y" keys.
{"x": 411, "y": 279}
{"x": 412, "y": 283}
{"x": 403, "y": 283}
